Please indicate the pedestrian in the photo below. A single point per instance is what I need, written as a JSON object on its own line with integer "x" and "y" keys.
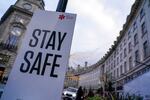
{"x": 90, "y": 94}
{"x": 79, "y": 94}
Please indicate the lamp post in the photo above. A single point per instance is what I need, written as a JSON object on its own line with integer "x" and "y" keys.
{"x": 61, "y": 7}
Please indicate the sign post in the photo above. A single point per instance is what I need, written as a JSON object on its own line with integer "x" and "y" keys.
{"x": 61, "y": 7}
{"x": 39, "y": 70}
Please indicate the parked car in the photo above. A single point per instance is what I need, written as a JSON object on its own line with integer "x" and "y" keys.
{"x": 70, "y": 92}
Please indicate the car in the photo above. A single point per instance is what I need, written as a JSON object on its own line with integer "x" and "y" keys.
{"x": 70, "y": 92}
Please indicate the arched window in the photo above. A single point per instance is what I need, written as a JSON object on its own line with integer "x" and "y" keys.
{"x": 16, "y": 30}
{"x": 14, "y": 36}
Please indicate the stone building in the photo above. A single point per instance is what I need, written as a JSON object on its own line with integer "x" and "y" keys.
{"x": 127, "y": 63}
{"x": 71, "y": 80}
{"x": 90, "y": 78}
{"x": 13, "y": 25}
{"x": 129, "y": 58}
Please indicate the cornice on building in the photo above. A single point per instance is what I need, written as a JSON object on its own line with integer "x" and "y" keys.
{"x": 32, "y": 1}
{"x": 11, "y": 9}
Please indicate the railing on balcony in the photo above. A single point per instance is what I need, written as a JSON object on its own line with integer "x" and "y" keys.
{"x": 8, "y": 47}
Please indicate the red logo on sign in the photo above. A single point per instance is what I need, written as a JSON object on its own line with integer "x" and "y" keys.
{"x": 61, "y": 17}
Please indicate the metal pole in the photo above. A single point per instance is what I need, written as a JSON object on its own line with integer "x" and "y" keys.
{"x": 61, "y": 7}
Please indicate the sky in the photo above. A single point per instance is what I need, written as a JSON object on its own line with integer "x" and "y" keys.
{"x": 98, "y": 22}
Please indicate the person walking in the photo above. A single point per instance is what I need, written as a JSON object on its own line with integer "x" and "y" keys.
{"x": 79, "y": 94}
{"x": 90, "y": 94}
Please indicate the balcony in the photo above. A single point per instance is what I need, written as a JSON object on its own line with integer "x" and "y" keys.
{"x": 9, "y": 47}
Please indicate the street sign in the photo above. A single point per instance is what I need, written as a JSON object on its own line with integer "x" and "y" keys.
{"x": 39, "y": 70}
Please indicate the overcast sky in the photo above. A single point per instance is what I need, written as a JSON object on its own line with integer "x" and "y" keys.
{"x": 98, "y": 21}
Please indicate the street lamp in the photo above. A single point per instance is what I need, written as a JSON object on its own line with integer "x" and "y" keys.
{"x": 61, "y": 7}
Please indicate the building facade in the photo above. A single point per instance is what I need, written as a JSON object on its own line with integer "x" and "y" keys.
{"x": 129, "y": 57}
{"x": 71, "y": 78}
{"x": 13, "y": 25}
{"x": 90, "y": 79}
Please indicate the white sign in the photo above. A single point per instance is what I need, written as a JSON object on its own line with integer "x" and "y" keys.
{"x": 39, "y": 70}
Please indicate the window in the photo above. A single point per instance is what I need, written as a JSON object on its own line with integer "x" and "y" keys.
{"x": 20, "y": 19}
{"x": 112, "y": 58}
{"x": 130, "y": 63}
{"x": 134, "y": 26}
{"x": 143, "y": 28}
{"x": 117, "y": 72}
{"x": 111, "y": 75}
{"x": 135, "y": 39}
{"x": 120, "y": 57}
{"x": 114, "y": 54}
{"x": 12, "y": 40}
{"x": 125, "y": 67}
{"x": 17, "y": 31}
{"x": 124, "y": 41}
{"x": 137, "y": 57}
{"x": 121, "y": 70}
{"x": 109, "y": 61}
{"x": 117, "y": 60}
{"x": 129, "y": 47}
{"x": 125, "y": 52}
{"x": 145, "y": 49}
{"x": 142, "y": 14}
{"x": 27, "y": 6}
{"x": 114, "y": 73}
{"x": 129, "y": 35}
{"x": 120, "y": 47}
{"x": 114, "y": 63}
{"x": 117, "y": 51}
{"x": 14, "y": 36}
